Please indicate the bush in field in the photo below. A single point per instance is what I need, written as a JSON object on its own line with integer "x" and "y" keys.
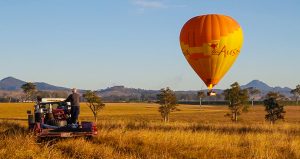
{"x": 29, "y": 89}
{"x": 94, "y": 102}
{"x": 167, "y": 100}
{"x": 296, "y": 93}
{"x": 274, "y": 109}
{"x": 237, "y": 98}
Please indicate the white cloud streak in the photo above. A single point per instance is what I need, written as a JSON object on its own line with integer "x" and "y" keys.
{"x": 149, "y": 4}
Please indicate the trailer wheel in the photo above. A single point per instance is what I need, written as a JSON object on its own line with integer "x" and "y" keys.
{"x": 88, "y": 138}
{"x": 39, "y": 140}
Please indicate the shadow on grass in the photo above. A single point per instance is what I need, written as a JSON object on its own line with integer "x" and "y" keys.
{"x": 16, "y": 119}
{"x": 8, "y": 129}
{"x": 218, "y": 128}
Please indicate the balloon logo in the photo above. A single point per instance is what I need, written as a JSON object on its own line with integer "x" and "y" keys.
{"x": 211, "y": 43}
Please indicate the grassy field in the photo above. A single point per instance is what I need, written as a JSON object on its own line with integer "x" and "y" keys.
{"x": 135, "y": 130}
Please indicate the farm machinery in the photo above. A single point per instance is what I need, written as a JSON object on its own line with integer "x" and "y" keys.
{"x": 52, "y": 118}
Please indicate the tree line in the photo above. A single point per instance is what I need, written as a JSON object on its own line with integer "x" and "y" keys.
{"x": 236, "y": 97}
{"x": 237, "y": 101}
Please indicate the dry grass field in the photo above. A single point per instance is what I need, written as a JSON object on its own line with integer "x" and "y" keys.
{"x": 135, "y": 130}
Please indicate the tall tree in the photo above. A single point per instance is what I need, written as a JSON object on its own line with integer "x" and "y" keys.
{"x": 296, "y": 93}
{"x": 238, "y": 99}
{"x": 167, "y": 100}
{"x": 94, "y": 102}
{"x": 201, "y": 95}
{"x": 29, "y": 89}
{"x": 253, "y": 92}
{"x": 276, "y": 95}
{"x": 273, "y": 107}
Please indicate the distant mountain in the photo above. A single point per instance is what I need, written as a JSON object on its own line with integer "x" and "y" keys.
{"x": 121, "y": 93}
{"x": 13, "y": 84}
{"x": 258, "y": 85}
{"x": 264, "y": 88}
{"x": 49, "y": 87}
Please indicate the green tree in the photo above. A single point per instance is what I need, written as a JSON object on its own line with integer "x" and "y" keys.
{"x": 238, "y": 99}
{"x": 296, "y": 93}
{"x": 94, "y": 102}
{"x": 273, "y": 107}
{"x": 253, "y": 92}
{"x": 167, "y": 100}
{"x": 276, "y": 95}
{"x": 29, "y": 89}
{"x": 201, "y": 95}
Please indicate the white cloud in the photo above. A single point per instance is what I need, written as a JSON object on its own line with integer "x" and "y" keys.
{"x": 149, "y": 4}
{"x": 143, "y": 5}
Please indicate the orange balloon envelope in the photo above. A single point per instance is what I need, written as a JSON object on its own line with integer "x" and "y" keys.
{"x": 211, "y": 43}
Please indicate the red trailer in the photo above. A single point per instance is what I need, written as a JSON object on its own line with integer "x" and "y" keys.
{"x": 51, "y": 118}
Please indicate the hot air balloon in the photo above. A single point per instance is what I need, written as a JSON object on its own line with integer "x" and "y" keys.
{"x": 211, "y": 43}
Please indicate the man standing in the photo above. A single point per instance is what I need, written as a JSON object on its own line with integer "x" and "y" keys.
{"x": 74, "y": 99}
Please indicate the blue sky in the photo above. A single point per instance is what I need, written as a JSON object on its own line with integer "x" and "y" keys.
{"x": 97, "y": 44}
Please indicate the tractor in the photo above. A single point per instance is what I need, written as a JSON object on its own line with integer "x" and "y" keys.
{"x": 51, "y": 118}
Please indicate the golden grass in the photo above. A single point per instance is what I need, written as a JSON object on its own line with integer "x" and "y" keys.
{"x": 135, "y": 130}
